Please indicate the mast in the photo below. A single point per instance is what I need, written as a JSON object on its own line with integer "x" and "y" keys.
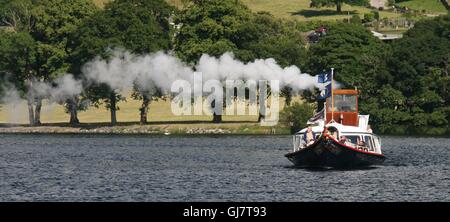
{"x": 324, "y": 107}
{"x": 332, "y": 94}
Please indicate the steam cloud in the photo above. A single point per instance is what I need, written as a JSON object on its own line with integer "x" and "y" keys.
{"x": 64, "y": 87}
{"x": 125, "y": 71}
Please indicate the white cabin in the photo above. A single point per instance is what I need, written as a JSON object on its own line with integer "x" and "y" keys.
{"x": 356, "y": 137}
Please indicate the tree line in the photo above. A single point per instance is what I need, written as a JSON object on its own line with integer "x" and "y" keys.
{"x": 404, "y": 82}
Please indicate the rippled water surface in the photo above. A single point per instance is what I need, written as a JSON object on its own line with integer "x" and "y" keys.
{"x": 222, "y": 168}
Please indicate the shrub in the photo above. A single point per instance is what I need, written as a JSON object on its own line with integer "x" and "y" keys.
{"x": 355, "y": 19}
{"x": 296, "y": 115}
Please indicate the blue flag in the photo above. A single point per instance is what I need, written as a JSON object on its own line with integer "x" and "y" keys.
{"x": 324, "y": 77}
{"x": 325, "y": 93}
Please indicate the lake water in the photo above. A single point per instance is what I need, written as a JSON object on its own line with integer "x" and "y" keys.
{"x": 210, "y": 168}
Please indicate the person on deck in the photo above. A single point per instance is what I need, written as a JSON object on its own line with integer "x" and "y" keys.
{"x": 334, "y": 134}
{"x": 369, "y": 129}
{"x": 343, "y": 139}
{"x": 361, "y": 143}
{"x": 309, "y": 136}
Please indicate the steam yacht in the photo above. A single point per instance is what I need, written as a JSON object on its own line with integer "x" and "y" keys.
{"x": 340, "y": 137}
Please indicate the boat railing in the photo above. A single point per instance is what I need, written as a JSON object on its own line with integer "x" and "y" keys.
{"x": 356, "y": 146}
{"x": 298, "y": 142}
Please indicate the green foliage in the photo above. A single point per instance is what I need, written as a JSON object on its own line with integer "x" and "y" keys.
{"x": 296, "y": 115}
{"x": 216, "y": 27}
{"x": 17, "y": 14}
{"x": 355, "y": 19}
{"x": 391, "y": 2}
{"x": 403, "y": 84}
{"x": 17, "y": 47}
{"x": 263, "y": 36}
{"x": 17, "y": 58}
{"x": 376, "y": 15}
{"x": 357, "y": 56}
{"x": 371, "y": 16}
{"x": 312, "y": 25}
{"x": 338, "y": 3}
{"x": 140, "y": 26}
{"x": 36, "y": 44}
{"x": 423, "y": 6}
{"x": 420, "y": 67}
{"x": 55, "y": 24}
{"x": 209, "y": 27}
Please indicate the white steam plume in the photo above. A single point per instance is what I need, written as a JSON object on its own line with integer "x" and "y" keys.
{"x": 227, "y": 67}
{"x": 13, "y": 104}
{"x": 148, "y": 73}
{"x": 63, "y": 88}
{"x": 125, "y": 70}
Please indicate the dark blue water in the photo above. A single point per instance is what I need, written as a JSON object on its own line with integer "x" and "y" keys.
{"x": 222, "y": 168}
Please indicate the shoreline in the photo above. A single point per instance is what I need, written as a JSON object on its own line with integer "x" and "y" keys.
{"x": 201, "y": 128}
{"x": 187, "y": 129}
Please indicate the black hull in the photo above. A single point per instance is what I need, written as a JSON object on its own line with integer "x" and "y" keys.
{"x": 326, "y": 152}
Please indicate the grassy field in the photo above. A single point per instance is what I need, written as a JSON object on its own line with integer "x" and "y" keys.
{"x": 294, "y": 9}
{"x": 161, "y": 120}
{"x": 430, "y": 6}
{"x": 300, "y": 10}
{"x": 160, "y": 111}
{"x": 177, "y": 3}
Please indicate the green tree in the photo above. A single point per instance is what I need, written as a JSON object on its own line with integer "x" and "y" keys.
{"x": 359, "y": 59}
{"x": 368, "y": 17}
{"x": 420, "y": 67}
{"x": 141, "y": 26}
{"x": 50, "y": 24}
{"x": 209, "y": 27}
{"x": 355, "y": 19}
{"x": 216, "y": 27}
{"x": 55, "y": 23}
{"x": 403, "y": 84}
{"x": 17, "y": 15}
{"x": 17, "y": 61}
{"x": 264, "y": 36}
{"x": 338, "y": 3}
{"x": 296, "y": 115}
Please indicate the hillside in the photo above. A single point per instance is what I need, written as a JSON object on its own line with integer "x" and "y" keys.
{"x": 428, "y": 6}
{"x": 294, "y": 9}
{"x": 300, "y": 10}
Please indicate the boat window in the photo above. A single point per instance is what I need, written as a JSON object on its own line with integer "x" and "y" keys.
{"x": 353, "y": 139}
{"x": 369, "y": 142}
{"x": 343, "y": 103}
{"x": 376, "y": 141}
